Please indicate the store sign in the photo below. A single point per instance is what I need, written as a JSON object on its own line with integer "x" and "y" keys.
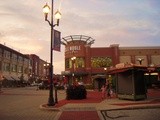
{"x": 73, "y": 48}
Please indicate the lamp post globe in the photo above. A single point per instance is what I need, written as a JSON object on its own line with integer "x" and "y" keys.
{"x": 46, "y": 10}
{"x": 58, "y": 15}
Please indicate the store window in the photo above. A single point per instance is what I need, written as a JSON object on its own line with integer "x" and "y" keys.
{"x": 79, "y": 62}
{"x": 99, "y": 62}
{"x": 67, "y": 63}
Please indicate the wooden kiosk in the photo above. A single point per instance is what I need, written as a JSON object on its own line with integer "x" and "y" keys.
{"x": 130, "y": 83}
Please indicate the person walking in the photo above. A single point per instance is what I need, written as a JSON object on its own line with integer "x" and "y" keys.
{"x": 103, "y": 89}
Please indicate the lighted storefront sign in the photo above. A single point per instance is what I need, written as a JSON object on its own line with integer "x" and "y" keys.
{"x": 73, "y": 48}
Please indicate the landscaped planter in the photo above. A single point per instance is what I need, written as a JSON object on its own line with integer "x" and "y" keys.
{"x": 76, "y": 92}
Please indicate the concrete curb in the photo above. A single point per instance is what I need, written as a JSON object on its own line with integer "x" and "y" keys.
{"x": 135, "y": 107}
{"x": 49, "y": 108}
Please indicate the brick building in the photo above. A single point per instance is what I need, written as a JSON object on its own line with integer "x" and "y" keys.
{"x": 89, "y": 65}
{"x": 37, "y": 70}
{"x": 13, "y": 66}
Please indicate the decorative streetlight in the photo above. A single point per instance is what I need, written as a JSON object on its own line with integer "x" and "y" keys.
{"x": 46, "y": 67}
{"x": 140, "y": 60}
{"x": 73, "y": 65}
{"x": 46, "y": 10}
{"x": 105, "y": 69}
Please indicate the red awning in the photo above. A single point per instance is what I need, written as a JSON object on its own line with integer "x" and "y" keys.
{"x": 119, "y": 70}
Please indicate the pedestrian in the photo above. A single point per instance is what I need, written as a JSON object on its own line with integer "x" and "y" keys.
{"x": 103, "y": 89}
{"x": 108, "y": 90}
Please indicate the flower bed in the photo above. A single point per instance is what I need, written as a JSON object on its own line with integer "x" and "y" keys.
{"x": 76, "y": 92}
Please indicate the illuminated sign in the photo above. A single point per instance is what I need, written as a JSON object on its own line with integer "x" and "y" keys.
{"x": 72, "y": 48}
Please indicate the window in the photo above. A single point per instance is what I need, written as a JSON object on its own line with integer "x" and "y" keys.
{"x": 98, "y": 62}
{"x": 80, "y": 63}
{"x": 67, "y": 63}
{"x": 14, "y": 68}
{"x": 14, "y": 57}
{"x": 20, "y": 59}
{"x": 6, "y": 67}
{"x": 1, "y": 52}
{"x": 20, "y": 69}
{"x": 7, "y": 54}
{"x": 26, "y": 61}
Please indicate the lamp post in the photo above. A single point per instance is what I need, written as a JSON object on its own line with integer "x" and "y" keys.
{"x": 46, "y": 67}
{"x": 46, "y": 10}
{"x": 140, "y": 60}
{"x": 107, "y": 79}
{"x": 73, "y": 65}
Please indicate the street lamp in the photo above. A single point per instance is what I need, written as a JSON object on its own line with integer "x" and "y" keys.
{"x": 46, "y": 10}
{"x": 105, "y": 69}
{"x": 140, "y": 60}
{"x": 46, "y": 67}
{"x": 73, "y": 65}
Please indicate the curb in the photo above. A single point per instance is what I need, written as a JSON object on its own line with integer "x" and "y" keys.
{"x": 49, "y": 108}
{"x": 134, "y": 107}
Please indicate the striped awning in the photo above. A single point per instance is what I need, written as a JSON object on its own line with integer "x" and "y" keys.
{"x": 8, "y": 77}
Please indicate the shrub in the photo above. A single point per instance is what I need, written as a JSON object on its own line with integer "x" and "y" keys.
{"x": 76, "y": 92}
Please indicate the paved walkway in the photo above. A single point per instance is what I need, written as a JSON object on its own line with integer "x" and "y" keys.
{"x": 23, "y": 103}
{"x": 84, "y": 113}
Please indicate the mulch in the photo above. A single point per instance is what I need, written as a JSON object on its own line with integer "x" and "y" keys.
{"x": 92, "y": 97}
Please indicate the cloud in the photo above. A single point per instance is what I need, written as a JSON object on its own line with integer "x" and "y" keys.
{"x": 123, "y": 22}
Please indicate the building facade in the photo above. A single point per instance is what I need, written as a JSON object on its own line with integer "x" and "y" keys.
{"x": 89, "y": 65}
{"x": 37, "y": 70}
{"x": 14, "y": 66}
{"x": 17, "y": 68}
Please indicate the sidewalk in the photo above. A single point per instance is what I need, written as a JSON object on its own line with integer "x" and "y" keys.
{"x": 93, "y": 107}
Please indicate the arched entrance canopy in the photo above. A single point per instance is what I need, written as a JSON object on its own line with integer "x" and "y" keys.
{"x": 70, "y": 38}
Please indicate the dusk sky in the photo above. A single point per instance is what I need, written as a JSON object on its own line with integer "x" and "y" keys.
{"x": 123, "y": 22}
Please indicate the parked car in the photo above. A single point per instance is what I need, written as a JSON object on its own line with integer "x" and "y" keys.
{"x": 44, "y": 85}
{"x": 34, "y": 84}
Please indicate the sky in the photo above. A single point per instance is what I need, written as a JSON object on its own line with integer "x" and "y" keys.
{"x": 124, "y": 22}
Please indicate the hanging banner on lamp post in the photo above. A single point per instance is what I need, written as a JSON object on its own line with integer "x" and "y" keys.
{"x": 56, "y": 41}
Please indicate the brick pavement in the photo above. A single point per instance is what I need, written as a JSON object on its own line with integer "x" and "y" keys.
{"x": 23, "y": 103}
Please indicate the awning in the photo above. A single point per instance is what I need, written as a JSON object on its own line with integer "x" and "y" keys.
{"x": 16, "y": 78}
{"x": 8, "y": 77}
{"x": 119, "y": 70}
{"x": 98, "y": 76}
